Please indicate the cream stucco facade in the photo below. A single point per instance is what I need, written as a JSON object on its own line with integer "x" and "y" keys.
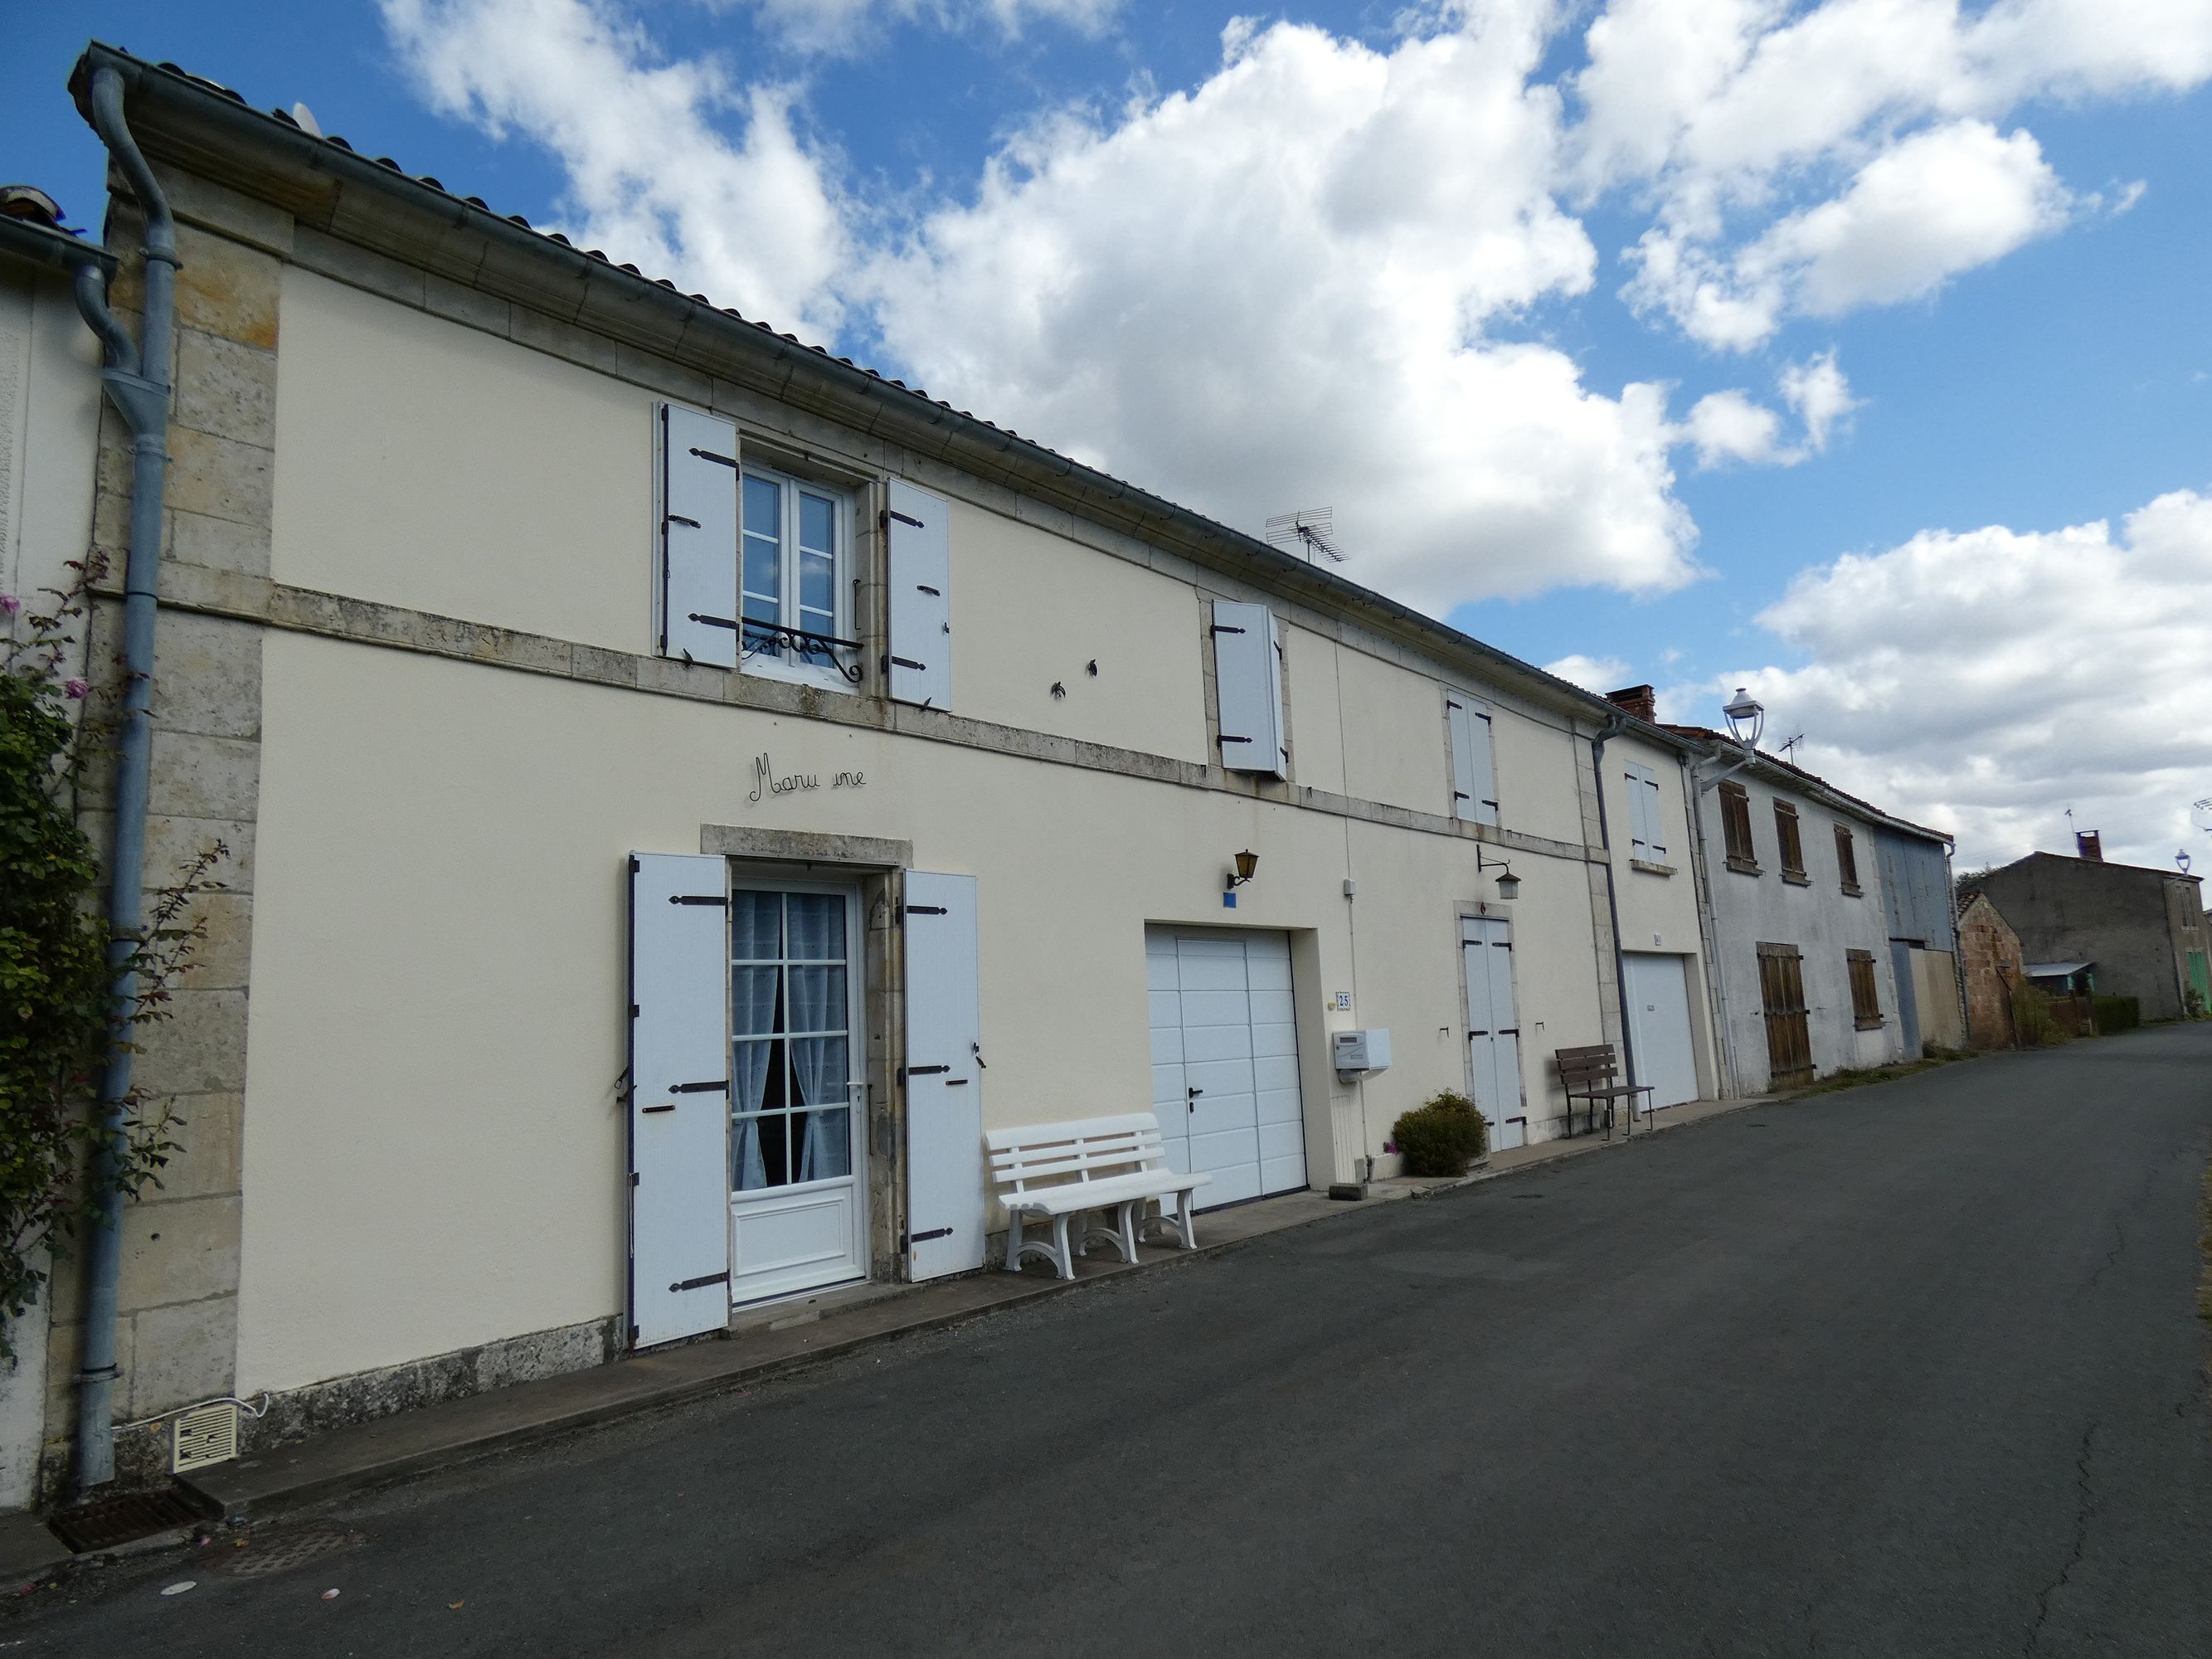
{"x": 411, "y": 640}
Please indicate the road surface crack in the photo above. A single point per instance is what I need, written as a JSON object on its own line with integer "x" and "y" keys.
{"x": 2119, "y": 1243}
{"x": 2085, "y": 1502}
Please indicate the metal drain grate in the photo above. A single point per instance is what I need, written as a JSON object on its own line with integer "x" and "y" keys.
{"x": 136, "y": 1515}
{"x": 279, "y": 1551}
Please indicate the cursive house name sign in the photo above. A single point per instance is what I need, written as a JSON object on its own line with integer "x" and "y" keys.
{"x": 768, "y": 783}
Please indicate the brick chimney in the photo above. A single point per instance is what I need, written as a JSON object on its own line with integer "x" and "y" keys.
{"x": 1638, "y": 700}
{"x": 2088, "y": 844}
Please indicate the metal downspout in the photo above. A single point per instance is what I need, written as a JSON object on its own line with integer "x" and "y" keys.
{"x": 1613, "y": 728}
{"x": 137, "y": 384}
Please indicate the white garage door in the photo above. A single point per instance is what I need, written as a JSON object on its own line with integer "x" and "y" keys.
{"x": 1225, "y": 1060}
{"x": 1659, "y": 1026}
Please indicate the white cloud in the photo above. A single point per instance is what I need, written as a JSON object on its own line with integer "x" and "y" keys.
{"x": 1943, "y": 201}
{"x": 1726, "y": 426}
{"x": 1819, "y": 394}
{"x": 1726, "y": 114}
{"x": 850, "y": 25}
{"x": 1598, "y": 674}
{"x": 1982, "y": 682}
{"x": 1295, "y": 293}
{"x": 652, "y": 176}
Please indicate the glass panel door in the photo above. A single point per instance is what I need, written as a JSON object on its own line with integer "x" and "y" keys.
{"x": 796, "y": 1213}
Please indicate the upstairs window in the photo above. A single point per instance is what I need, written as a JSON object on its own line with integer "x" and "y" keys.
{"x": 1793, "y": 850}
{"x": 1473, "y": 771}
{"x": 756, "y": 565}
{"x": 1248, "y": 673}
{"x": 1735, "y": 825}
{"x": 1847, "y": 861}
{"x": 1866, "y": 1000}
{"x": 796, "y": 539}
{"x": 1646, "y": 826}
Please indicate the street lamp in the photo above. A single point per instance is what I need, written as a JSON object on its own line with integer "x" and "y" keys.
{"x": 1746, "y": 718}
{"x": 2182, "y": 859}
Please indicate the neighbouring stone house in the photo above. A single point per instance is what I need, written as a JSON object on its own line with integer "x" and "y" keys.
{"x": 1991, "y": 964}
{"x": 2139, "y": 931}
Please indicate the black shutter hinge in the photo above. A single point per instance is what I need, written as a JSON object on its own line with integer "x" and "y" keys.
{"x": 913, "y": 1239}
{"x": 697, "y": 898}
{"x": 926, "y": 910}
{"x": 721, "y": 1277}
{"x": 698, "y": 1088}
{"x": 1223, "y": 628}
{"x": 719, "y": 460}
{"x": 889, "y": 514}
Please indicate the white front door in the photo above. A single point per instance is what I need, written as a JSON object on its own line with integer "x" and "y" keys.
{"x": 798, "y": 1185}
{"x": 1658, "y": 994}
{"x": 946, "y": 1204}
{"x": 1493, "y": 1030}
{"x": 1225, "y": 1060}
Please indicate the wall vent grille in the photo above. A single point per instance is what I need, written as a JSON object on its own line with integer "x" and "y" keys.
{"x": 205, "y": 1435}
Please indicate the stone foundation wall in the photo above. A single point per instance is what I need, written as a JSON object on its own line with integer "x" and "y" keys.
{"x": 1990, "y": 959}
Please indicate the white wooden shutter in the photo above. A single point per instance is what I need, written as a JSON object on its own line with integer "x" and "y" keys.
{"x": 1655, "y": 822}
{"x": 1641, "y": 785}
{"x": 698, "y": 537}
{"x": 1248, "y": 672}
{"x": 945, "y": 1200}
{"x": 679, "y": 1106}
{"x": 1474, "y": 783}
{"x": 922, "y": 597}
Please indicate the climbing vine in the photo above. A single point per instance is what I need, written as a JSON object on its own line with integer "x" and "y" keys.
{"x": 56, "y": 1025}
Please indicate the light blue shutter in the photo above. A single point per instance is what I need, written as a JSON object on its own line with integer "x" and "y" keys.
{"x": 1655, "y": 822}
{"x": 679, "y": 1106}
{"x": 1248, "y": 672}
{"x": 920, "y": 597}
{"x": 946, "y": 1202}
{"x": 698, "y": 537}
{"x": 1475, "y": 785}
{"x": 1640, "y": 804}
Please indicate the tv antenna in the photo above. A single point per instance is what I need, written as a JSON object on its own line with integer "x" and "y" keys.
{"x": 2200, "y": 814}
{"x": 1784, "y": 750}
{"x": 1310, "y": 530}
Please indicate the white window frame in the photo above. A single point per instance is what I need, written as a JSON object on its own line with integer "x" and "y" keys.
{"x": 763, "y": 660}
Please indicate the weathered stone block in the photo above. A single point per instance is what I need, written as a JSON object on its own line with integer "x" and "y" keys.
{"x": 207, "y": 676}
{"x": 172, "y": 844}
{"x": 589, "y": 662}
{"x": 186, "y": 1354}
{"x": 197, "y": 201}
{"x": 219, "y": 477}
{"x": 225, "y": 388}
{"x": 206, "y": 1161}
{"x": 462, "y": 304}
{"x": 184, "y": 1250}
{"x": 221, "y": 962}
{"x": 216, "y": 543}
{"x": 225, "y": 288}
{"x": 205, "y": 777}
{"x": 200, "y": 1049}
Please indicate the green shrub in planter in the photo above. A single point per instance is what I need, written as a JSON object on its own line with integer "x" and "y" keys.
{"x": 1440, "y": 1137}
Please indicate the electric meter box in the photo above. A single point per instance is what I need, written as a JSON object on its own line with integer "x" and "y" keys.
{"x": 1358, "y": 1053}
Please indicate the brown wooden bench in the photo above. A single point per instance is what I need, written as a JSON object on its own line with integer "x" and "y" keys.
{"x": 1592, "y": 1075}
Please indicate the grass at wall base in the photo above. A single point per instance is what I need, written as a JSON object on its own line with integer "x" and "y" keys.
{"x": 57, "y": 1026}
{"x": 1440, "y": 1137}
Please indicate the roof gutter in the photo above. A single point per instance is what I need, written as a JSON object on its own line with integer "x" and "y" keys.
{"x": 135, "y": 381}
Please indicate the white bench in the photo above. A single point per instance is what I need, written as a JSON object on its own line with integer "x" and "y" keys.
{"x": 1059, "y": 1172}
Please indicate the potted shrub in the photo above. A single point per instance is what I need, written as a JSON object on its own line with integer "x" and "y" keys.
{"x": 1441, "y": 1136}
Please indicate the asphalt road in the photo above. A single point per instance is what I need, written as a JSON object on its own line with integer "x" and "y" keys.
{"x": 1902, "y": 1371}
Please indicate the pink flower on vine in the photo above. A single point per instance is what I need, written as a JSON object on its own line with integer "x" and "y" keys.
{"x": 10, "y": 604}
{"x": 76, "y": 690}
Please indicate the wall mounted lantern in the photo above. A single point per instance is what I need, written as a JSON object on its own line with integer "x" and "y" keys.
{"x": 1746, "y": 718}
{"x": 1509, "y": 884}
{"x": 2182, "y": 859}
{"x": 1247, "y": 863}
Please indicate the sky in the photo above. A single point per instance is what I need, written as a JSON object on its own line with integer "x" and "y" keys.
{"x": 1859, "y": 352}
